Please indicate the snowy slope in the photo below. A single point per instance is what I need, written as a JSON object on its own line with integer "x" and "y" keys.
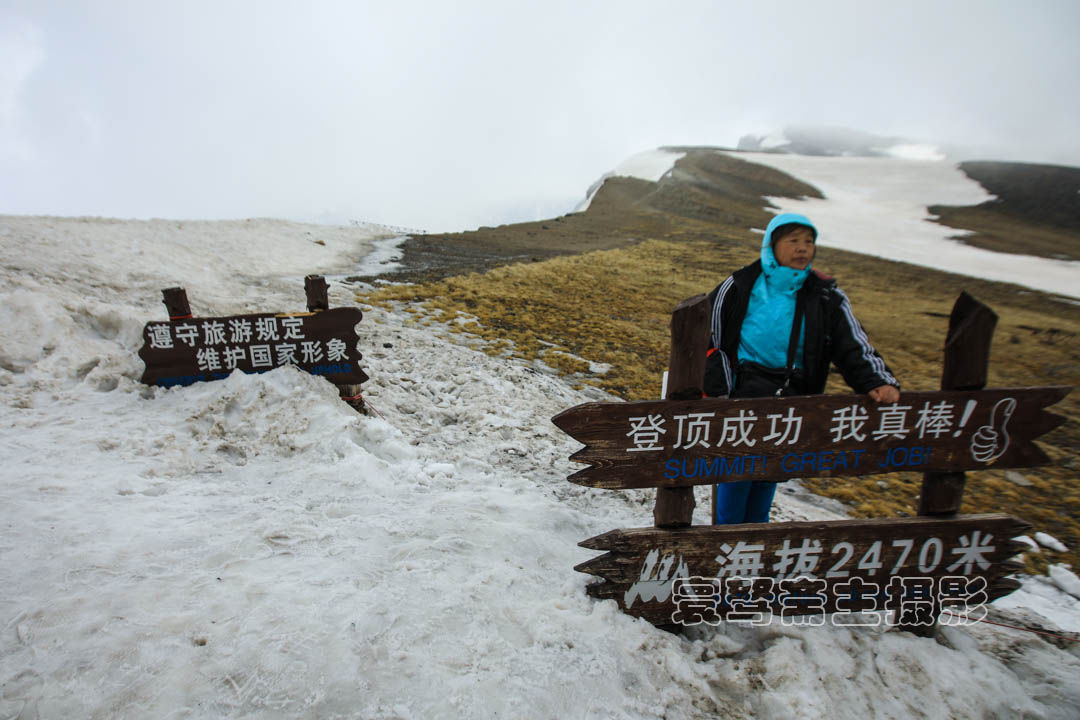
{"x": 878, "y": 206}
{"x": 254, "y": 548}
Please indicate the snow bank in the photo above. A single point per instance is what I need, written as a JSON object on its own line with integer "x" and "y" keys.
{"x": 649, "y": 165}
{"x": 132, "y": 259}
{"x": 1046, "y": 597}
{"x": 878, "y": 206}
{"x": 252, "y": 547}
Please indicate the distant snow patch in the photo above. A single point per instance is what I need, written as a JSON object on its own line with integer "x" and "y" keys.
{"x": 1049, "y": 541}
{"x": 649, "y": 165}
{"x": 878, "y": 206}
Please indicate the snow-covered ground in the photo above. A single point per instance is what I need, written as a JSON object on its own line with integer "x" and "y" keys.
{"x": 878, "y": 206}
{"x": 254, "y": 548}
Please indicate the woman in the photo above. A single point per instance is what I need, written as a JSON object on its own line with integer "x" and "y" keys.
{"x": 777, "y": 326}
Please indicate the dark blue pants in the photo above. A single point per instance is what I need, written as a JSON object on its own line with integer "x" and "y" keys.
{"x": 746, "y": 501}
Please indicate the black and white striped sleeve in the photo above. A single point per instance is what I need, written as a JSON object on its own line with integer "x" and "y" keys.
{"x": 862, "y": 366}
{"x": 718, "y": 374}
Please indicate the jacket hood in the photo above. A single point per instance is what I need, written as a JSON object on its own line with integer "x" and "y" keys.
{"x": 773, "y": 270}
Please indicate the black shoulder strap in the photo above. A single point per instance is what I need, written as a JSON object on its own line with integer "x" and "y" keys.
{"x": 793, "y": 345}
{"x": 793, "y": 341}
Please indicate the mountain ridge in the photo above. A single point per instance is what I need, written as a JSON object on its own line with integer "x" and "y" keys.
{"x": 596, "y": 290}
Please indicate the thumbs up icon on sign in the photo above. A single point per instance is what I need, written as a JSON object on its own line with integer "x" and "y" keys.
{"x": 990, "y": 441}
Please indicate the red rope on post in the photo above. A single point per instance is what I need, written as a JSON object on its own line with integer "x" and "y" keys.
{"x": 367, "y": 403}
{"x": 180, "y": 317}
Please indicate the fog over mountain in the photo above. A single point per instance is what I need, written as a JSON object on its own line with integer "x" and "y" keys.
{"x": 830, "y": 141}
{"x": 447, "y": 117}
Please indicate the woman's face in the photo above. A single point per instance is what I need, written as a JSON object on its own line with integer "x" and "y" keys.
{"x": 795, "y": 249}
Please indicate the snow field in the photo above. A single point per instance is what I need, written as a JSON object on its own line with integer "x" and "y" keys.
{"x": 254, "y": 548}
{"x": 878, "y": 206}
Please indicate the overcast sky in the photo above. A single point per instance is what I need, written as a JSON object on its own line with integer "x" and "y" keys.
{"x": 450, "y": 115}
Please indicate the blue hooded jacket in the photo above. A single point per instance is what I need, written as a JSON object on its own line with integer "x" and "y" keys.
{"x": 766, "y": 331}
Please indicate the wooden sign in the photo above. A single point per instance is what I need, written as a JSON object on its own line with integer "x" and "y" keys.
{"x": 722, "y": 572}
{"x": 182, "y": 351}
{"x": 671, "y": 443}
{"x": 674, "y": 574}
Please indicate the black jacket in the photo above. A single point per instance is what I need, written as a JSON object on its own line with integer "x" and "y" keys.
{"x": 833, "y": 335}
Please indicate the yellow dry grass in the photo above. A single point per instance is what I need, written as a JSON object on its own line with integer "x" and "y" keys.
{"x": 614, "y": 306}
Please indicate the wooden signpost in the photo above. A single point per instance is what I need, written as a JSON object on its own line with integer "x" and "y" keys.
{"x": 186, "y": 350}
{"x": 667, "y": 443}
{"x": 971, "y": 552}
{"x": 914, "y": 566}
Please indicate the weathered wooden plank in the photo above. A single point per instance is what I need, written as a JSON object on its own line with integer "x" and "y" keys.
{"x": 674, "y": 507}
{"x": 1045, "y": 422}
{"x": 1013, "y": 565}
{"x": 942, "y": 493}
{"x": 689, "y": 341}
{"x": 967, "y": 344}
{"x": 643, "y": 565}
{"x": 686, "y": 377}
{"x": 627, "y": 571}
{"x": 626, "y": 539}
{"x": 966, "y": 366}
{"x": 834, "y": 547}
{"x": 176, "y": 303}
{"x": 967, "y": 362}
{"x": 316, "y": 290}
{"x": 187, "y": 350}
{"x": 997, "y": 587}
{"x": 318, "y": 299}
{"x": 608, "y": 564}
{"x": 660, "y": 613}
{"x": 626, "y": 567}
{"x": 699, "y": 442}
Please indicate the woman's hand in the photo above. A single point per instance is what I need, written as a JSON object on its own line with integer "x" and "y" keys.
{"x": 884, "y": 394}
